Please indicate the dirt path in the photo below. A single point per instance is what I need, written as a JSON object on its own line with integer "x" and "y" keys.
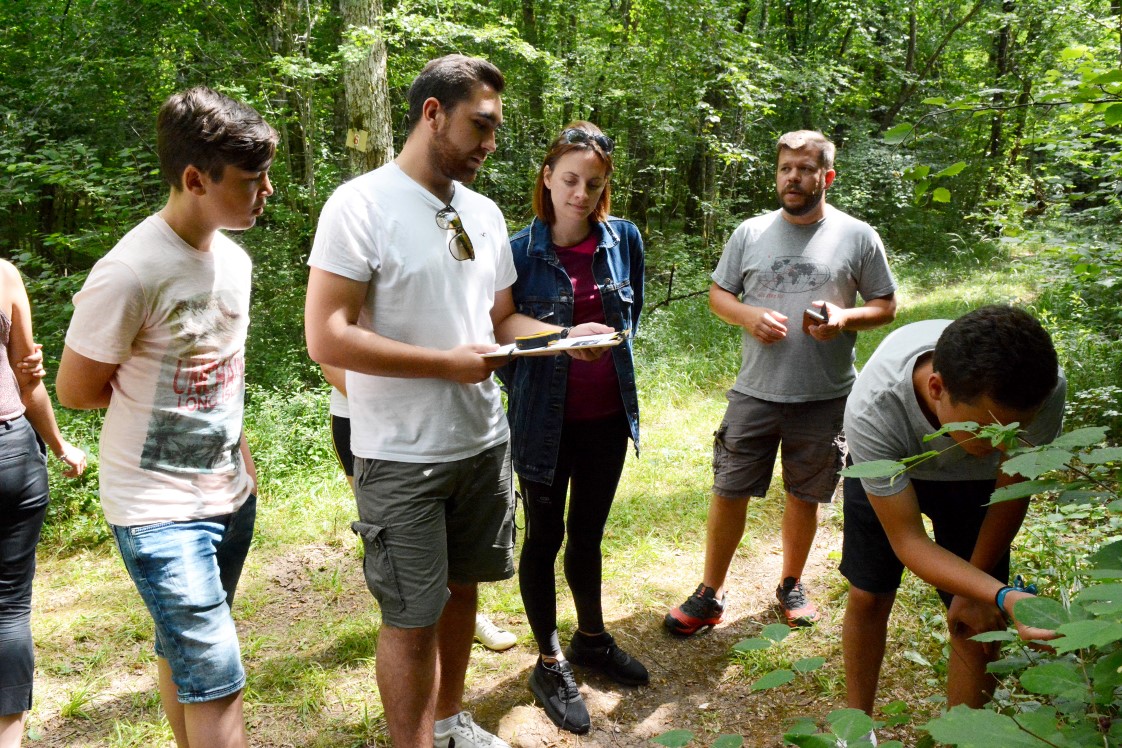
{"x": 308, "y": 630}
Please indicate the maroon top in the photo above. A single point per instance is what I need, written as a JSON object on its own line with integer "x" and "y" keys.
{"x": 592, "y": 392}
{"x": 11, "y": 406}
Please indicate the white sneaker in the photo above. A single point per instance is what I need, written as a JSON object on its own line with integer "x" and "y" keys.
{"x": 491, "y": 636}
{"x": 467, "y": 734}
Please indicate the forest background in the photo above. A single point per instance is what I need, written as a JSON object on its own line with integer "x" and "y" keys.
{"x": 980, "y": 137}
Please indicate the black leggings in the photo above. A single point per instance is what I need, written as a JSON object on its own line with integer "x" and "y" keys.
{"x": 591, "y": 459}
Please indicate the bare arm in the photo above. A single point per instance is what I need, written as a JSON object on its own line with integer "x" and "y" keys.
{"x": 509, "y": 324}
{"x": 33, "y": 393}
{"x": 334, "y": 338}
{"x": 83, "y": 383}
{"x": 765, "y": 325}
{"x": 247, "y": 458}
{"x": 335, "y": 376}
{"x": 874, "y": 313}
{"x": 900, "y": 516}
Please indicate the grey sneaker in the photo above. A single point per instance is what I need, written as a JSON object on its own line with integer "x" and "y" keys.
{"x": 466, "y": 734}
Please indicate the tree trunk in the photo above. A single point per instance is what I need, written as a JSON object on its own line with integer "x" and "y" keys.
{"x": 364, "y": 80}
{"x": 1000, "y": 58}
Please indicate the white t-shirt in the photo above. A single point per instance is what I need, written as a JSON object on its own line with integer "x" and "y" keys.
{"x": 884, "y": 421}
{"x": 381, "y": 229}
{"x": 174, "y": 319}
{"x": 337, "y": 404}
{"x": 773, "y": 263}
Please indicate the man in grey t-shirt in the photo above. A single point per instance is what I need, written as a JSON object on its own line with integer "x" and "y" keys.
{"x": 795, "y": 370}
{"x": 993, "y": 365}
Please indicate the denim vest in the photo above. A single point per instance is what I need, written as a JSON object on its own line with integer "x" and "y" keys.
{"x": 536, "y": 385}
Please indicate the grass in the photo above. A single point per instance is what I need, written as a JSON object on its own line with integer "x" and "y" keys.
{"x": 309, "y": 628}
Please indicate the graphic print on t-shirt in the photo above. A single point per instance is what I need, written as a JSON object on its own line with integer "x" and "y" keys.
{"x": 196, "y": 413}
{"x": 795, "y": 275}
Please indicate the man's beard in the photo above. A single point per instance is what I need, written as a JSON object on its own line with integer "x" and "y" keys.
{"x": 811, "y": 202}
{"x": 451, "y": 163}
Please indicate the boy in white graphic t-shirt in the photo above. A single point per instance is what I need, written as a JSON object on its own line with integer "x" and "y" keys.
{"x": 158, "y": 338}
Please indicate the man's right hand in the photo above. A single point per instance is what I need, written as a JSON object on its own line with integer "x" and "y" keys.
{"x": 765, "y": 325}
{"x": 466, "y": 366}
{"x": 1027, "y": 633}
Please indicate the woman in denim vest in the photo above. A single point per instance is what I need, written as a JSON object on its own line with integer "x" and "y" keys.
{"x": 570, "y": 419}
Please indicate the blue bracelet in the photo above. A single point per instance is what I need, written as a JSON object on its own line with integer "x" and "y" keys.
{"x": 999, "y": 598}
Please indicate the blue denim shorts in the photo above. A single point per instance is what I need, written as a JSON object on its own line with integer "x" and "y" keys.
{"x": 186, "y": 573}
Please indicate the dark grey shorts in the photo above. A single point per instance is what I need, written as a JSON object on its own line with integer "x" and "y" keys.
{"x": 425, "y": 524}
{"x": 745, "y": 446}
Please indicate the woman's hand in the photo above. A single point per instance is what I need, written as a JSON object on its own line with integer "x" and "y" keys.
{"x": 74, "y": 458}
{"x": 32, "y": 363}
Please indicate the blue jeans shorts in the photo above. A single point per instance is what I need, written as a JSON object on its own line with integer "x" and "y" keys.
{"x": 186, "y": 573}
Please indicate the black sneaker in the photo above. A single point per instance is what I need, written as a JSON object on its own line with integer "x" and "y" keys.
{"x": 604, "y": 655}
{"x": 796, "y": 606}
{"x": 555, "y": 687}
{"x": 701, "y": 609}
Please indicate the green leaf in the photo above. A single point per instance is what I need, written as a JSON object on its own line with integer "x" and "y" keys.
{"x": 1054, "y": 679}
{"x": 995, "y": 636}
{"x": 774, "y": 679}
{"x": 808, "y": 664}
{"x": 1107, "y": 671}
{"x": 875, "y": 469}
{"x": 970, "y": 426}
{"x": 850, "y": 724}
{"x": 916, "y": 657}
{"x": 674, "y": 738}
{"x": 1100, "y": 456}
{"x": 898, "y": 134}
{"x": 728, "y": 741}
{"x": 1024, "y": 488}
{"x": 1085, "y": 634}
{"x": 1113, "y": 114}
{"x": 963, "y": 726}
{"x": 1041, "y": 612}
{"x": 1111, "y": 76}
{"x": 941, "y": 195}
{"x": 952, "y": 170}
{"x": 1084, "y": 437}
{"x": 1100, "y": 592}
{"x": 1037, "y": 462}
{"x": 811, "y": 741}
{"x": 750, "y": 645}
{"x": 1108, "y": 557}
{"x": 777, "y": 632}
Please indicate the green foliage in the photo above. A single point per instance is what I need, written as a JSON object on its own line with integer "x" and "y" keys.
{"x": 1076, "y": 679}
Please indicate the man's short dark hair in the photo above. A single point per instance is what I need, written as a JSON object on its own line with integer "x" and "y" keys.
{"x": 208, "y": 130}
{"x": 797, "y": 140}
{"x": 450, "y": 80}
{"x": 999, "y": 351}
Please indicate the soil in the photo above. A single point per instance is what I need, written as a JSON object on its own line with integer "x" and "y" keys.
{"x": 695, "y": 684}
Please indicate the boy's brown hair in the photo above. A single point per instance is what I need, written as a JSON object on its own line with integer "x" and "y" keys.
{"x": 206, "y": 129}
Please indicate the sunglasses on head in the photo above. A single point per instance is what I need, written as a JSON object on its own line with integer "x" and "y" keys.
{"x": 460, "y": 244}
{"x": 573, "y": 135}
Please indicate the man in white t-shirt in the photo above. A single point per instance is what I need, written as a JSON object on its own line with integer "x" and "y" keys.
{"x": 158, "y": 337}
{"x": 410, "y": 284}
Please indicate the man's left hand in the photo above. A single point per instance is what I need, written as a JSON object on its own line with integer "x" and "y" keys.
{"x": 831, "y": 329}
